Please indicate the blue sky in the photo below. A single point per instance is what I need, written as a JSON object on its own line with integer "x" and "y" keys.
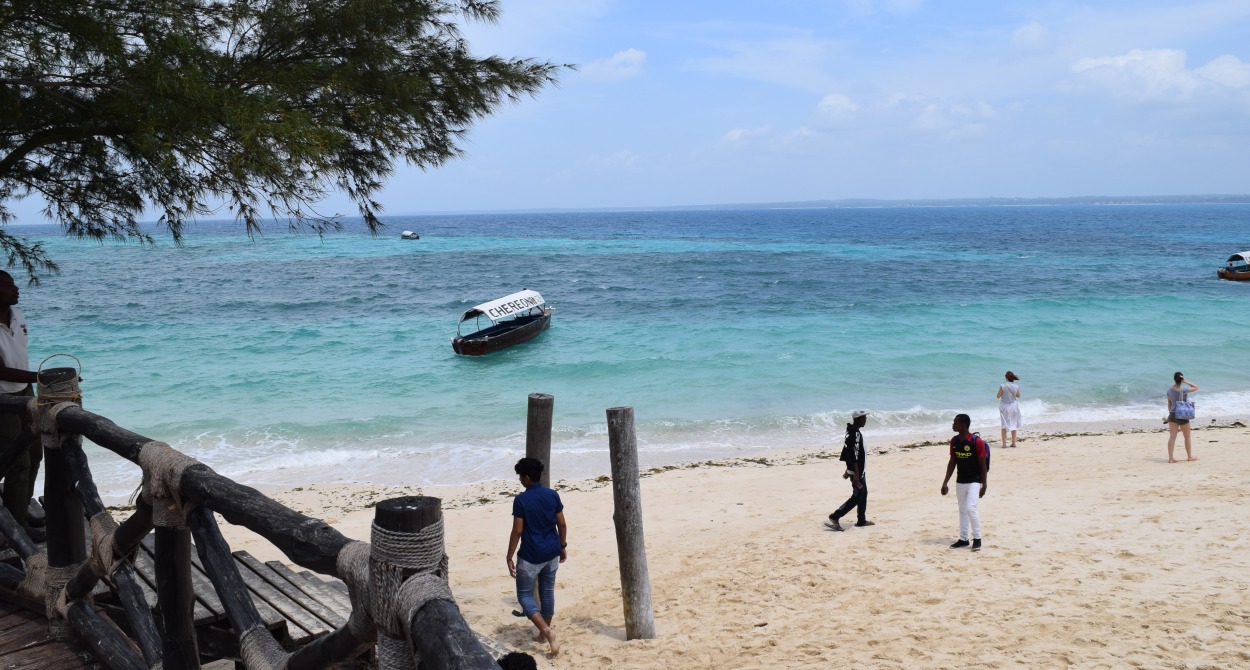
{"x": 689, "y": 102}
{"x": 727, "y": 101}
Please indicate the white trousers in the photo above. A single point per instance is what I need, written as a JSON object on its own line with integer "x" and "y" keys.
{"x": 969, "y": 515}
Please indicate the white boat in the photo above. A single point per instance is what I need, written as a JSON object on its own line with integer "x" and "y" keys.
{"x": 409, "y": 235}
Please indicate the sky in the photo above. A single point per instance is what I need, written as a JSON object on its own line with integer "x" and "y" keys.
{"x": 691, "y": 102}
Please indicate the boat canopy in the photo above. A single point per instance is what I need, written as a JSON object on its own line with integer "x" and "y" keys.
{"x": 509, "y": 305}
{"x": 1243, "y": 257}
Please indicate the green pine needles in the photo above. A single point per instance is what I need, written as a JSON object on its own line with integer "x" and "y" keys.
{"x": 110, "y": 108}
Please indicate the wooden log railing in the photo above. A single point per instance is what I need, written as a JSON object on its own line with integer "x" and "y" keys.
{"x": 179, "y": 498}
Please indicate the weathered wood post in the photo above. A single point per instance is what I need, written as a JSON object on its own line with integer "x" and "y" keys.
{"x": 417, "y": 619}
{"x": 538, "y": 432}
{"x": 627, "y": 516}
{"x": 67, "y": 539}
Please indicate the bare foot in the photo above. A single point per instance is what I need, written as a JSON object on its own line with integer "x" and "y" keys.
{"x": 1192, "y": 458}
{"x": 1171, "y": 461}
{"x": 553, "y": 642}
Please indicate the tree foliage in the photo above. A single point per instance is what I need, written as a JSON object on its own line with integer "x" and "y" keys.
{"x": 109, "y": 108}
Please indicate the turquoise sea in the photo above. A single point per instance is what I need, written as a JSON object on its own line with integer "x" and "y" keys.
{"x": 291, "y": 358}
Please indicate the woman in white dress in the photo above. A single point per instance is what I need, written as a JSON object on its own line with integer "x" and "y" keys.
{"x": 1008, "y": 408}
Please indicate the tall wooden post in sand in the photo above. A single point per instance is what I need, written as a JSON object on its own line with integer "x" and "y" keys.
{"x": 538, "y": 432}
{"x": 627, "y": 516}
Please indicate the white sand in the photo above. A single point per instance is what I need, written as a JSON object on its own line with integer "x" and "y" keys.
{"x": 1098, "y": 553}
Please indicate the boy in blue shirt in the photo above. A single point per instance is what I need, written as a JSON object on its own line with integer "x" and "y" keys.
{"x": 538, "y": 526}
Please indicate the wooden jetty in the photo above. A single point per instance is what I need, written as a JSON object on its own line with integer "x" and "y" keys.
{"x": 162, "y": 588}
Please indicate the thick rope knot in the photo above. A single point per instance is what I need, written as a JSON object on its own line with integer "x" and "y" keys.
{"x": 55, "y": 603}
{"x": 395, "y": 557}
{"x": 420, "y": 589}
{"x": 36, "y": 579}
{"x": 162, "y": 482}
{"x": 103, "y": 560}
{"x": 45, "y": 415}
{"x": 353, "y": 566}
{"x": 260, "y": 651}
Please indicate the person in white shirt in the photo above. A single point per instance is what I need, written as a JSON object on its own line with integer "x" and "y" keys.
{"x": 1008, "y": 408}
{"x": 17, "y": 443}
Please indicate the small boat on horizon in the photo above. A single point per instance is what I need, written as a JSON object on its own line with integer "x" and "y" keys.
{"x": 409, "y": 235}
{"x": 513, "y": 319}
{"x": 1237, "y": 267}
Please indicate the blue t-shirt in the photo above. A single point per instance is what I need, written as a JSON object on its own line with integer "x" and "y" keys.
{"x": 538, "y": 507}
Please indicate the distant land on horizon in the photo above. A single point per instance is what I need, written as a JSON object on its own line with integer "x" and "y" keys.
{"x": 844, "y": 203}
{"x": 849, "y": 203}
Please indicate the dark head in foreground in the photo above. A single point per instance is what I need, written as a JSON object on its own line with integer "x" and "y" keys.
{"x": 531, "y": 468}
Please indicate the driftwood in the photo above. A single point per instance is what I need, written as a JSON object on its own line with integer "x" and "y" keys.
{"x": 436, "y": 631}
{"x": 627, "y": 516}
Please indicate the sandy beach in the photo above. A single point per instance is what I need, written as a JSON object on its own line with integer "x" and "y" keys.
{"x": 1098, "y": 553}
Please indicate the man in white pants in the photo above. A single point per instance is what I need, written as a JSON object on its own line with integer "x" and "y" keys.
{"x": 971, "y": 456}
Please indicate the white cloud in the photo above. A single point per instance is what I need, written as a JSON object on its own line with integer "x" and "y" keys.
{"x": 837, "y": 106}
{"x": 621, "y": 65}
{"x": 1227, "y": 71}
{"x": 1161, "y": 75}
{"x": 795, "y": 59}
{"x": 742, "y": 135}
{"x": 956, "y": 120}
{"x": 1033, "y": 37}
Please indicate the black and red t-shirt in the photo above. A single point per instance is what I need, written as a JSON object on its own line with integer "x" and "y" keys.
{"x": 968, "y": 450}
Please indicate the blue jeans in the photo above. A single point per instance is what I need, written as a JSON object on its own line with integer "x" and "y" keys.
{"x": 545, "y": 574}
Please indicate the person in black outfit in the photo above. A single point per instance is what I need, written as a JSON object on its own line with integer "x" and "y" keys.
{"x": 853, "y": 455}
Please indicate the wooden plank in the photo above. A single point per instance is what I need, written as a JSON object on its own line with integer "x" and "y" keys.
{"x": 207, "y": 605}
{"x": 302, "y": 625}
{"x": 333, "y": 588}
{"x": 12, "y": 616}
{"x": 24, "y": 637}
{"x": 146, "y": 568}
{"x": 58, "y": 656}
{"x": 315, "y": 590}
{"x": 335, "y": 584}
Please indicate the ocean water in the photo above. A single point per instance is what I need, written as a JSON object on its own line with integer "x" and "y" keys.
{"x": 293, "y": 358}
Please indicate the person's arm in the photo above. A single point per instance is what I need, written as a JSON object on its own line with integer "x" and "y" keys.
{"x": 1000, "y": 392}
{"x": 985, "y": 477}
{"x": 1169, "y": 402}
{"x": 1017, "y": 391}
{"x": 1192, "y": 386}
{"x": 564, "y": 536}
{"x": 17, "y": 375}
{"x": 950, "y": 468}
{"x": 518, "y": 525}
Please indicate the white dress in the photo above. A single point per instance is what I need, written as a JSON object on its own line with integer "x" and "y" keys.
{"x": 1008, "y": 408}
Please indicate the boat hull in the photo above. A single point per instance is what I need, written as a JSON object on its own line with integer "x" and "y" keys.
{"x": 502, "y": 336}
{"x": 1225, "y": 273}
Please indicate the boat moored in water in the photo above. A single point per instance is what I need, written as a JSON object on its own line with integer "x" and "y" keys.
{"x": 513, "y": 319}
{"x": 1237, "y": 267}
{"x": 409, "y": 235}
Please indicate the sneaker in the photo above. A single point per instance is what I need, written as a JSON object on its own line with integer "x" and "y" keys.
{"x": 976, "y": 544}
{"x": 960, "y": 544}
{"x": 861, "y": 524}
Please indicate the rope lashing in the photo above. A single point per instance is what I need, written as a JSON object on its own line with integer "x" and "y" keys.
{"x": 103, "y": 560}
{"x": 33, "y": 584}
{"x": 54, "y": 601}
{"x": 394, "y": 558}
{"x": 162, "y": 480}
{"x": 45, "y": 414}
{"x": 260, "y": 651}
{"x": 353, "y": 565}
{"x": 395, "y": 654}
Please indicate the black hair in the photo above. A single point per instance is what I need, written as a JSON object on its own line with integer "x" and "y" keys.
{"x": 530, "y": 467}
{"x": 964, "y": 419}
{"x": 1178, "y": 377}
{"x": 515, "y": 660}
